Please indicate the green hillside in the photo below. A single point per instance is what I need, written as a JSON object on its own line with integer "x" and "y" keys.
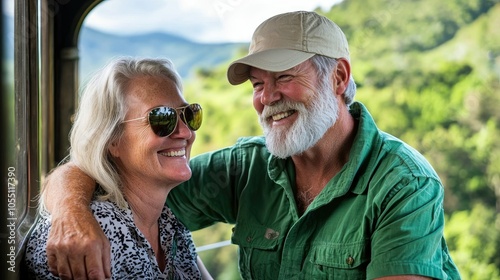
{"x": 429, "y": 72}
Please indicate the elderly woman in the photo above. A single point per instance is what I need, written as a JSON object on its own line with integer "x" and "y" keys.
{"x": 133, "y": 133}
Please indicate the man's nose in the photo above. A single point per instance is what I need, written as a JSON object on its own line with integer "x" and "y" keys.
{"x": 270, "y": 94}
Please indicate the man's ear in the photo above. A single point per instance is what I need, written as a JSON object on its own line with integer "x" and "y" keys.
{"x": 342, "y": 75}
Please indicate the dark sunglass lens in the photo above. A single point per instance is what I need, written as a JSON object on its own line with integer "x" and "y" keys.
{"x": 163, "y": 121}
{"x": 193, "y": 115}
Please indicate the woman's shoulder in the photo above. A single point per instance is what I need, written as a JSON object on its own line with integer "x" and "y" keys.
{"x": 108, "y": 213}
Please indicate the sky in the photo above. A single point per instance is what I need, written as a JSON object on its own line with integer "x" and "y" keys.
{"x": 198, "y": 20}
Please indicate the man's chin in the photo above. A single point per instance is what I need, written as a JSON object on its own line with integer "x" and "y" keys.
{"x": 278, "y": 149}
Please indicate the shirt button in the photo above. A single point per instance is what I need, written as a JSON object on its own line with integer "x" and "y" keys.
{"x": 249, "y": 239}
{"x": 350, "y": 260}
{"x": 271, "y": 234}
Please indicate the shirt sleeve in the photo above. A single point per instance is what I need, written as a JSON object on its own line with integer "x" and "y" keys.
{"x": 408, "y": 231}
{"x": 210, "y": 195}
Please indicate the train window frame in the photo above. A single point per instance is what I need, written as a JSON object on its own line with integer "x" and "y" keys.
{"x": 20, "y": 158}
{"x": 9, "y": 175}
{"x": 45, "y": 65}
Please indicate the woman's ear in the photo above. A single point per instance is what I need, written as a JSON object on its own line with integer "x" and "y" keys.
{"x": 342, "y": 75}
{"x": 113, "y": 148}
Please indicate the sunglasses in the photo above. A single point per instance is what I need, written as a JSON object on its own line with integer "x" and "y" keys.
{"x": 163, "y": 120}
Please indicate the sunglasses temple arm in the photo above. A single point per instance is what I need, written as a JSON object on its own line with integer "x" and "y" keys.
{"x": 136, "y": 119}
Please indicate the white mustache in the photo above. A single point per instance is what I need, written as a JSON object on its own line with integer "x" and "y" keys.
{"x": 280, "y": 107}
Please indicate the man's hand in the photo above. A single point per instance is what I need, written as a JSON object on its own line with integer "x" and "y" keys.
{"x": 77, "y": 247}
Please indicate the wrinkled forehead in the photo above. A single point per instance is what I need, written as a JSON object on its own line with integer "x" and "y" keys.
{"x": 151, "y": 87}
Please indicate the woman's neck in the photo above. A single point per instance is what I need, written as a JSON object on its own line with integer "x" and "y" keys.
{"x": 146, "y": 204}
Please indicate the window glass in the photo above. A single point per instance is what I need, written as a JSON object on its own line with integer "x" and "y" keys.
{"x": 8, "y": 75}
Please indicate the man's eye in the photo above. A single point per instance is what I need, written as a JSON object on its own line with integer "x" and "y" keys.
{"x": 256, "y": 85}
{"x": 285, "y": 77}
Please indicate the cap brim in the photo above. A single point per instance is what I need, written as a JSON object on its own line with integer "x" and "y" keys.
{"x": 274, "y": 60}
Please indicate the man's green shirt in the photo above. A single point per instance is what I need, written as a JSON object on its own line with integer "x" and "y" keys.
{"x": 381, "y": 215}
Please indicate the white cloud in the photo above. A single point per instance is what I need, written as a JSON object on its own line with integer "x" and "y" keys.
{"x": 200, "y": 20}
{"x": 8, "y": 7}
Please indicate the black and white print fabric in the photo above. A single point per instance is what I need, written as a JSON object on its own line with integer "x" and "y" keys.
{"x": 132, "y": 256}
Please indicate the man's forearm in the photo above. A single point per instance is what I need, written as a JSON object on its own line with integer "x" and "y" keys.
{"x": 67, "y": 185}
{"x": 77, "y": 247}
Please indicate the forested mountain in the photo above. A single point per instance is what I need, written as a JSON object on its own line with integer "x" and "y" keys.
{"x": 422, "y": 62}
{"x": 96, "y": 48}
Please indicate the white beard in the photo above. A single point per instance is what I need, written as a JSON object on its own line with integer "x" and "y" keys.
{"x": 310, "y": 126}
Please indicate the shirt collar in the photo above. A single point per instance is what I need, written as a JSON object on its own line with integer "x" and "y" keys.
{"x": 351, "y": 174}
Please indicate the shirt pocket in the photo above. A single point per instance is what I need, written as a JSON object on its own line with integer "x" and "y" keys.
{"x": 258, "y": 250}
{"x": 339, "y": 261}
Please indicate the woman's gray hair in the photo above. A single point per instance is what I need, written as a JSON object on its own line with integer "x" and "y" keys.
{"x": 100, "y": 114}
{"x": 324, "y": 66}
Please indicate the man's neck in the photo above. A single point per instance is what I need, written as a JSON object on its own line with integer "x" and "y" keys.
{"x": 327, "y": 157}
{"x": 315, "y": 167}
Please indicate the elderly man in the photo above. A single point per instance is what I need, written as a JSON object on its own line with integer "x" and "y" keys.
{"x": 323, "y": 195}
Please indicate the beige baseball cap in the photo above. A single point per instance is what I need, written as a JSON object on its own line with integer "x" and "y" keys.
{"x": 286, "y": 40}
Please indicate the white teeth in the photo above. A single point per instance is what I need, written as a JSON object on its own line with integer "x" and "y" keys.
{"x": 179, "y": 153}
{"x": 280, "y": 116}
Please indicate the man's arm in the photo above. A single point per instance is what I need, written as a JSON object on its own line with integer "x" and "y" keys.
{"x": 77, "y": 246}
